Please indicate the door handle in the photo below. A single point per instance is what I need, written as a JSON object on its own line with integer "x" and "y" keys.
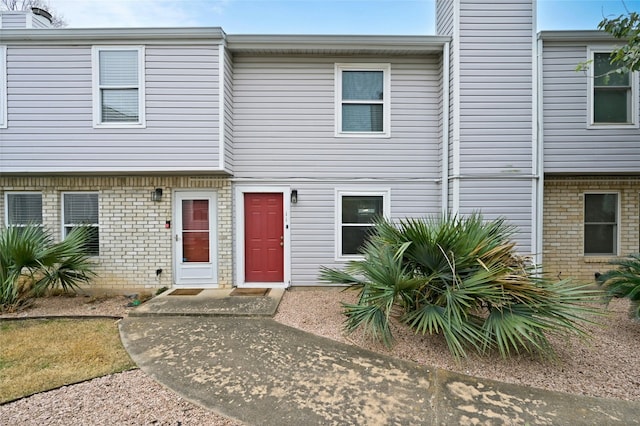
{"x": 281, "y": 243}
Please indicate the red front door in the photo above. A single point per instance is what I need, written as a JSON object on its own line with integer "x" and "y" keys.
{"x": 263, "y": 237}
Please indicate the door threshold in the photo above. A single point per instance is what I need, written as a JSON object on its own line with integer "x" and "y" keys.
{"x": 262, "y": 285}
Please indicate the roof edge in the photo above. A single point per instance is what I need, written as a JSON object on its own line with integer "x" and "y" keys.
{"x": 576, "y": 35}
{"x": 252, "y": 42}
{"x": 112, "y": 34}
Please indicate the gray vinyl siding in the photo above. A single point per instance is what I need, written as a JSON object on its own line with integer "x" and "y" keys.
{"x": 496, "y": 72}
{"x": 445, "y": 26}
{"x": 14, "y": 20}
{"x": 228, "y": 111}
{"x": 284, "y": 120}
{"x": 313, "y": 224}
{"x": 50, "y": 127}
{"x": 444, "y": 17}
{"x": 40, "y": 22}
{"x": 569, "y": 146}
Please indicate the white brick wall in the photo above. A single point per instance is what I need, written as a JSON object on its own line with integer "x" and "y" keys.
{"x": 134, "y": 242}
{"x": 564, "y": 224}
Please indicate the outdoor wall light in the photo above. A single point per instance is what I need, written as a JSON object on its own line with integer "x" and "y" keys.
{"x": 156, "y": 195}
{"x": 294, "y": 196}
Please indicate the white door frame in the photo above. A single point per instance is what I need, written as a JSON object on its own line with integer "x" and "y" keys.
{"x": 239, "y": 192}
{"x": 180, "y": 281}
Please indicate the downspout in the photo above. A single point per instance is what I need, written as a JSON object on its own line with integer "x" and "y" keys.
{"x": 455, "y": 114}
{"x": 539, "y": 146}
{"x": 221, "y": 104}
{"x": 446, "y": 72}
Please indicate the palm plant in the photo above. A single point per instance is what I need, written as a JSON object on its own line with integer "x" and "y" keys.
{"x": 624, "y": 282}
{"x": 31, "y": 262}
{"x": 460, "y": 277}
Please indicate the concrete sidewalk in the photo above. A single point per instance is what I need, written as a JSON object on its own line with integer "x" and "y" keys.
{"x": 261, "y": 372}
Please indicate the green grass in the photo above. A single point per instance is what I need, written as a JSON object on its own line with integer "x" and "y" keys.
{"x": 39, "y": 355}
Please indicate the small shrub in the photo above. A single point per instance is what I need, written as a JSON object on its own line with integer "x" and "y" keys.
{"x": 32, "y": 263}
{"x": 462, "y": 278}
{"x": 624, "y": 282}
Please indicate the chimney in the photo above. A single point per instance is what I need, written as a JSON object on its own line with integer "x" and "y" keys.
{"x": 41, "y": 12}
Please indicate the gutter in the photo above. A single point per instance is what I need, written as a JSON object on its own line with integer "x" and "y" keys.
{"x": 129, "y": 35}
{"x": 336, "y": 43}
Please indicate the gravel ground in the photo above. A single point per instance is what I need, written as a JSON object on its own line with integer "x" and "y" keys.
{"x": 603, "y": 366}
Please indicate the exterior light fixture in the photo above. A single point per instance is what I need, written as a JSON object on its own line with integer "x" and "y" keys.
{"x": 294, "y": 196}
{"x": 156, "y": 195}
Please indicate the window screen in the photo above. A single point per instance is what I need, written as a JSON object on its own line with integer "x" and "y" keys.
{"x": 24, "y": 209}
{"x": 611, "y": 92}
{"x": 119, "y": 86}
{"x": 81, "y": 209}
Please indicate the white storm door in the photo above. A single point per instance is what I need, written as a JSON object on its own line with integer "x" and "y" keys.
{"x": 195, "y": 239}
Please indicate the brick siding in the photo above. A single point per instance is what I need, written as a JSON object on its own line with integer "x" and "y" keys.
{"x": 564, "y": 224}
{"x": 134, "y": 242}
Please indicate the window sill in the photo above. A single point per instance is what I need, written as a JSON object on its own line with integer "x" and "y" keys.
{"x": 372, "y": 135}
{"x": 119, "y": 125}
{"x": 348, "y": 258}
{"x": 599, "y": 258}
{"x": 604, "y": 126}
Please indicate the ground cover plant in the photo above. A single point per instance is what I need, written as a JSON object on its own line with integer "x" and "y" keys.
{"x": 32, "y": 263}
{"x": 460, "y": 277}
{"x": 38, "y": 355}
{"x": 624, "y": 282}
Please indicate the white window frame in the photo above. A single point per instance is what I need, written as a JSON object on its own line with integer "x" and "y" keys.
{"x": 64, "y": 224}
{"x": 6, "y": 206}
{"x": 386, "y": 99}
{"x": 633, "y": 80}
{"x": 342, "y": 192}
{"x": 97, "y": 94}
{"x": 3, "y": 88}
{"x": 584, "y": 222}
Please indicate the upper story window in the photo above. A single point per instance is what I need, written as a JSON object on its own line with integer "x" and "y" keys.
{"x": 118, "y": 86}
{"x": 3, "y": 87}
{"x": 362, "y": 100}
{"x": 81, "y": 209}
{"x": 601, "y": 224}
{"x": 23, "y": 208}
{"x": 613, "y": 95}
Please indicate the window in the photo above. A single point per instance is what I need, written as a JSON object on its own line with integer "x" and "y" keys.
{"x": 362, "y": 100}
{"x": 118, "y": 80}
{"x": 23, "y": 208}
{"x": 356, "y": 214}
{"x": 612, "y": 96}
{"x": 601, "y": 224}
{"x": 81, "y": 209}
{"x": 3, "y": 87}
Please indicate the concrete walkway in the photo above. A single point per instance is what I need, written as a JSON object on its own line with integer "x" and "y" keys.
{"x": 261, "y": 372}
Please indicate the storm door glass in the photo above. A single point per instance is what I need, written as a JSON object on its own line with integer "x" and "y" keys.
{"x": 195, "y": 231}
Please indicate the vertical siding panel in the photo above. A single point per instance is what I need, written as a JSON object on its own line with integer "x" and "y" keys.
{"x": 495, "y": 122}
{"x": 228, "y": 110}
